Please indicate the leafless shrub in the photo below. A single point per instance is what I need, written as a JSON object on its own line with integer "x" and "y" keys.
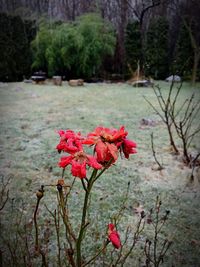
{"x": 164, "y": 113}
{"x": 190, "y": 109}
{"x": 181, "y": 118}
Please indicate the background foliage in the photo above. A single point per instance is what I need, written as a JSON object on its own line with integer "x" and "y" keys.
{"x": 183, "y": 54}
{"x": 15, "y": 37}
{"x": 156, "y": 47}
{"x": 133, "y": 44}
{"x": 132, "y": 22}
{"x": 79, "y": 47}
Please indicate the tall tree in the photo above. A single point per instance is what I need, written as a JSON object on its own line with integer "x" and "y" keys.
{"x": 183, "y": 54}
{"x": 192, "y": 24}
{"x": 156, "y": 52}
{"x": 139, "y": 9}
{"x": 122, "y": 23}
{"x": 15, "y": 56}
{"x": 189, "y": 11}
{"x": 133, "y": 44}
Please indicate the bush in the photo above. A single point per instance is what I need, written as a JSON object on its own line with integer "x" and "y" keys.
{"x": 79, "y": 47}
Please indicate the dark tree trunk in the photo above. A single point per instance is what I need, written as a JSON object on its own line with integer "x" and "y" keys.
{"x": 195, "y": 65}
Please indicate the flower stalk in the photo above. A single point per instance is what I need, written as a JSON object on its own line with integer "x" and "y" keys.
{"x": 84, "y": 214}
{"x": 39, "y": 194}
{"x": 69, "y": 232}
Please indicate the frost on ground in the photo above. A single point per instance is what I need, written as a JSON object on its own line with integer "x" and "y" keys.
{"x": 31, "y": 115}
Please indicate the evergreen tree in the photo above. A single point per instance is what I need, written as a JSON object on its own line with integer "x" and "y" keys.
{"x": 15, "y": 38}
{"x": 183, "y": 57}
{"x": 156, "y": 49}
{"x": 133, "y": 44}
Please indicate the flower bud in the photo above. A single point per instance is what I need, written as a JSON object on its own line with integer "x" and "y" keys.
{"x": 59, "y": 187}
{"x": 113, "y": 236}
{"x": 40, "y": 192}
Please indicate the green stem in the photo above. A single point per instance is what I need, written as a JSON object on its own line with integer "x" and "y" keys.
{"x": 104, "y": 169}
{"x": 87, "y": 189}
{"x": 84, "y": 214}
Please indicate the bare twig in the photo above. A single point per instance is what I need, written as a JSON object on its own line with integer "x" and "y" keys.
{"x": 194, "y": 163}
{"x": 56, "y": 219}
{"x": 160, "y": 167}
{"x": 154, "y": 253}
{"x": 39, "y": 194}
{"x": 139, "y": 229}
{"x": 4, "y": 194}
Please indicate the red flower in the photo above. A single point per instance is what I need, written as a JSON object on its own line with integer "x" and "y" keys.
{"x": 128, "y": 147}
{"x": 113, "y": 236}
{"x": 78, "y": 161}
{"x": 106, "y": 152}
{"x": 69, "y": 141}
{"x": 108, "y": 142}
{"x": 106, "y": 134}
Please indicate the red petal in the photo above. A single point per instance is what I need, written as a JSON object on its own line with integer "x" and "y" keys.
{"x": 101, "y": 150}
{"x": 128, "y": 148}
{"x": 92, "y": 162}
{"x": 64, "y": 161}
{"x": 88, "y": 141}
{"x": 121, "y": 133}
{"x": 78, "y": 169}
{"x": 113, "y": 150}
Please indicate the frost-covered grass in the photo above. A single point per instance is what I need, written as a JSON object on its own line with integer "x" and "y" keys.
{"x": 30, "y": 116}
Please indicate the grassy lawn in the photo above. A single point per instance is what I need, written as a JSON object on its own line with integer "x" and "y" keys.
{"x": 30, "y": 116}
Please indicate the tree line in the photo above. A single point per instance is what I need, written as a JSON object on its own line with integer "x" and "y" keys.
{"x": 101, "y": 39}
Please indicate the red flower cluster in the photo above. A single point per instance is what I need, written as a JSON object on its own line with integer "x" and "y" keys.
{"x": 69, "y": 141}
{"x": 113, "y": 236}
{"x": 107, "y": 145}
{"x": 109, "y": 142}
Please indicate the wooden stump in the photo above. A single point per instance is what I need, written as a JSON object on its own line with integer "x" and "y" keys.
{"x": 78, "y": 82}
{"x": 57, "y": 80}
